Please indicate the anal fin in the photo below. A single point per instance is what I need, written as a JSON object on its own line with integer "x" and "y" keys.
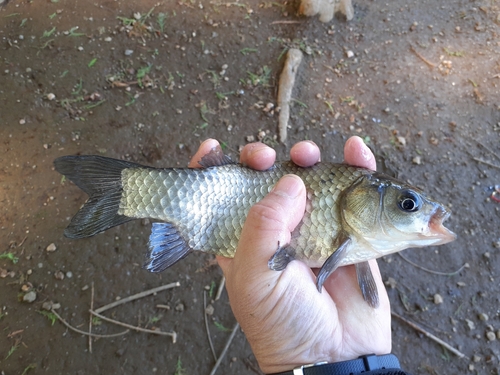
{"x": 332, "y": 263}
{"x": 367, "y": 284}
{"x": 166, "y": 247}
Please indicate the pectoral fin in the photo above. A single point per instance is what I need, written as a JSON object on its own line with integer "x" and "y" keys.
{"x": 332, "y": 263}
{"x": 281, "y": 258}
{"x": 367, "y": 284}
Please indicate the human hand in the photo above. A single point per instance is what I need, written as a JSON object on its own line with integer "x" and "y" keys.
{"x": 286, "y": 321}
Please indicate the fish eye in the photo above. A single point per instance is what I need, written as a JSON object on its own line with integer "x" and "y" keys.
{"x": 409, "y": 202}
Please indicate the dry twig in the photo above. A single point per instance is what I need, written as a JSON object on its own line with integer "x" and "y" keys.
{"x": 83, "y": 332}
{"x": 430, "y": 335}
{"x": 228, "y": 343}
{"x": 90, "y": 315}
{"x": 431, "y": 64}
{"x": 135, "y": 328}
{"x": 221, "y": 288}
{"x": 486, "y": 162}
{"x": 431, "y": 271}
{"x": 286, "y": 83}
{"x": 136, "y": 296}
{"x": 206, "y": 325}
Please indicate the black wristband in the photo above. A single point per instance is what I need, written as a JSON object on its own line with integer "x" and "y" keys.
{"x": 364, "y": 363}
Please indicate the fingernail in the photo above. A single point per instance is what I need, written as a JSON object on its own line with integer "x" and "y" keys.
{"x": 289, "y": 186}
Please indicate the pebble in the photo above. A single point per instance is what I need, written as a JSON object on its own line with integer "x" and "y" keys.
{"x": 52, "y": 247}
{"x": 484, "y": 317}
{"x": 30, "y": 297}
{"x": 402, "y": 140}
{"x": 349, "y": 54}
{"x": 59, "y": 275}
{"x": 391, "y": 283}
{"x": 50, "y": 96}
{"x": 179, "y": 307}
{"x": 417, "y": 160}
{"x": 128, "y": 52}
{"x": 491, "y": 336}
{"x": 108, "y": 39}
{"x": 438, "y": 299}
{"x": 69, "y": 274}
{"x": 209, "y": 310}
{"x": 476, "y": 358}
{"x": 470, "y": 324}
{"x": 498, "y": 334}
{"x": 22, "y": 121}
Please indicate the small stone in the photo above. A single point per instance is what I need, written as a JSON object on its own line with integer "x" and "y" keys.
{"x": 349, "y": 54}
{"x": 69, "y": 274}
{"x": 491, "y": 336}
{"x": 26, "y": 287}
{"x": 438, "y": 299}
{"x": 51, "y": 248}
{"x": 417, "y": 160}
{"x": 80, "y": 48}
{"x": 391, "y": 283}
{"x": 108, "y": 39}
{"x": 179, "y": 307}
{"x": 476, "y": 358}
{"x": 484, "y": 317}
{"x": 137, "y": 16}
{"x": 402, "y": 140}
{"x": 487, "y": 255}
{"x": 470, "y": 324}
{"x": 30, "y": 297}
{"x": 51, "y": 96}
{"x": 498, "y": 334}
{"x": 387, "y": 110}
{"x": 128, "y": 52}
{"x": 22, "y": 121}
{"x": 250, "y": 138}
{"x": 49, "y": 305}
{"x": 59, "y": 275}
{"x": 209, "y": 310}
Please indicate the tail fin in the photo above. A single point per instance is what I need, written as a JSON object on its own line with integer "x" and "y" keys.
{"x": 101, "y": 179}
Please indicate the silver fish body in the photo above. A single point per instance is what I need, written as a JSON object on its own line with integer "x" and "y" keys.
{"x": 209, "y": 206}
{"x": 352, "y": 214}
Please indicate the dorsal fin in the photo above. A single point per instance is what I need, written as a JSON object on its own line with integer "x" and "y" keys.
{"x": 215, "y": 158}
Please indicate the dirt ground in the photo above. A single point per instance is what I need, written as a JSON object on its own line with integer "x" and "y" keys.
{"x": 147, "y": 81}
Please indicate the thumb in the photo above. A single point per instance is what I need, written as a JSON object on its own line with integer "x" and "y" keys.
{"x": 268, "y": 223}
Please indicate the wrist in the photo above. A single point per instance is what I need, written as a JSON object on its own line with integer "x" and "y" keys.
{"x": 360, "y": 365}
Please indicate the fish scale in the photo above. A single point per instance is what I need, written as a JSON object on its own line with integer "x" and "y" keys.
{"x": 209, "y": 206}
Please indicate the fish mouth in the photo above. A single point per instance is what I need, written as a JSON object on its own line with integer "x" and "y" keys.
{"x": 437, "y": 229}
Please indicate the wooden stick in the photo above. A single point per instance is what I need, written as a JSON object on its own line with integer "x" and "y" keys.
{"x": 83, "y": 332}
{"x": 482, "y": 144}
{"x": 486, "y": 162}
{"x": 206, "y": 325}
{"x": 139, "y": 329}
{"x": 431, "y": 271}
{"x": 285, "y": 88}
{"x": 221, "y": 288}
{"x": 432, "y": 65}
{"x": 228, "y": 343}
{"x": 90, "y": 315}
{"x": 430, "y": 335}
{"x": 136, "y": 296}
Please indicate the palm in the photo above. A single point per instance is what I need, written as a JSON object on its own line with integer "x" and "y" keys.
{"x": 287, "y": 322}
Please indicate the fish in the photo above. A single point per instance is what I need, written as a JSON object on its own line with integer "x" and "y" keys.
{"x": 352, "y": 214}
